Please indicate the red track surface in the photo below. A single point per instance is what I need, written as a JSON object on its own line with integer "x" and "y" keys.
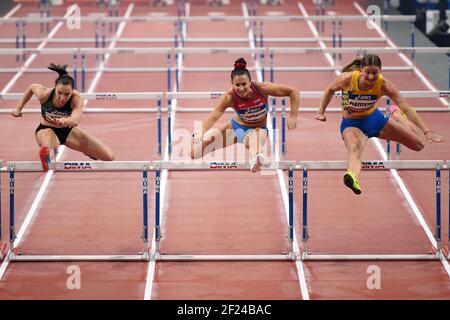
{"x": 217, "y": 212}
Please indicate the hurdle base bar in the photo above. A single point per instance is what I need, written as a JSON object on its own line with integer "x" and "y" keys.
{"x": 369, "y": 257}
{"x": 34, "y": 258}
{"x": 224, "y": 257}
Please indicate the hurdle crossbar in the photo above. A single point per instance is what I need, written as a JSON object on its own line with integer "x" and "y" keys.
{"x": 436, "y": 165}
{"x": 398, "y": 18}
{"x": 35, "y": 258}
{"x": 369, "y": 257}
{"x": 225, "y": 257}
{"x": 124, "y": 50}
{"x": 196, "y": 165}
{"x": 198, "y": 69}
{"x": 2, "y": 243}
{"x": 157, "y": 166}
{"x": 11, "y": 51}
{"x": 303, "y": 109}
{"x": 303, "y": 94}
{"x": 220, "y": 50}
{"x": 373, "y": 165}
{"x": 360, "y": 50}
{"x": 193, "y": 40}
{"x": 100, "y": 96}
{"x": 84, "y": 166}
{"x": 448, "y": 220}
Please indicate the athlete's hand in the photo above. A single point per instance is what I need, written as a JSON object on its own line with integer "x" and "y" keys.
{"x": 320, "y": 117}
{"x": 16, "y": 113}
{"x": 433, "y": 137}
{"x": 57, "y": 122}
{"x": 292, "y": 122}
{"x": 197, "y": 137}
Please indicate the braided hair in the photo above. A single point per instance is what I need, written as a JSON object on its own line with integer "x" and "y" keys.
{"x": 63, "y": 77}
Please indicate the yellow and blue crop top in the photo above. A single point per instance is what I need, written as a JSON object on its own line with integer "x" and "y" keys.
{"x": 361, "y": 102}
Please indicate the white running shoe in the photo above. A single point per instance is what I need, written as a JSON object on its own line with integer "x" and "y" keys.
{"x": 257, "y": 162}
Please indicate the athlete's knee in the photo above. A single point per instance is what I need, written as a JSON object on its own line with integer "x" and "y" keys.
{"x": 418, "y": 146}
{"x": 355, "y": 146}
{"x": 109, "y": 156}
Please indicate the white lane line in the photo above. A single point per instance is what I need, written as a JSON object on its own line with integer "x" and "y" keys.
{"x": 281, "y": 179}
{"x": 11, "y": 12}
{"x": 111, "y": 46}
{"x": 48, "y": 175}
{"x": 33, "y": 209}
{"x": 164, "y": 177}
{"x": 34, "y": 55}
{"x": 404, "y": 57}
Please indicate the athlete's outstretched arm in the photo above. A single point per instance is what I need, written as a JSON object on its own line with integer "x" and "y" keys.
{"x": 389, "y": 89}
{"x": 33, "y": 89}
{"x": 75, "y": 117}
{"x": 225, "y": 101}
{"x": 340, "y": 83}
{"x": 281, "y": 90}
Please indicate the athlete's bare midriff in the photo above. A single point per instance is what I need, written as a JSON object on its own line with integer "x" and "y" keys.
{"x": 347, "y": 115}
{"x": 260, "y": 124}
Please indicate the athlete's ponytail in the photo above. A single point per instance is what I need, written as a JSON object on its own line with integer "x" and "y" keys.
{"x": 352, "y": 66}
{"x": 361, "y": 62}
{"x": 63, "y": 75}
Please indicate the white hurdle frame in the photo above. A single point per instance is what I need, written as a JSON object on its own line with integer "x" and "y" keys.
{"x": 446, "y": 250}
{"x": 436, "y": 165}
{"x": 157, "y": 166}
{"x": 145, "y": 166}
{"x": 291, "y": 166}
{"x": 358, "y": 51}
{"x": 80, "y": 166}
{"x": 2, "y": 243}
{"x": 398, "y": 18}
{"x": 158, "y": 96}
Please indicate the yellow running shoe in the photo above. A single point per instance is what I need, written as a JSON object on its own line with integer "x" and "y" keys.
{"x": 351, "y": 182}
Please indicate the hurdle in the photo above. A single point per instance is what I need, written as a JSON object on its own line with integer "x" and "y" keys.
{"x": 306, "y": 166}
{"x": 98, "y": 96}
{"x": 158, "y": 166}
{"x": 2, "y": 243}
{"x": 358, "y": 51}
{"x": 79, "y": 56}
{"x": 126, "y": 51}
{"x": 79, "y": 166}
{"x": 446, "y": 248}
{"x": 177, "y": 20}
{"x": 213, "y": 51}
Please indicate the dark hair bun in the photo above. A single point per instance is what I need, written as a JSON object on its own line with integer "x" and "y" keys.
{"x": 240, "y": 64}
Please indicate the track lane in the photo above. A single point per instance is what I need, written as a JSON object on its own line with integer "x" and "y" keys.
{"x": 198, "y": 224}
{"x": 115, "y": 223}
